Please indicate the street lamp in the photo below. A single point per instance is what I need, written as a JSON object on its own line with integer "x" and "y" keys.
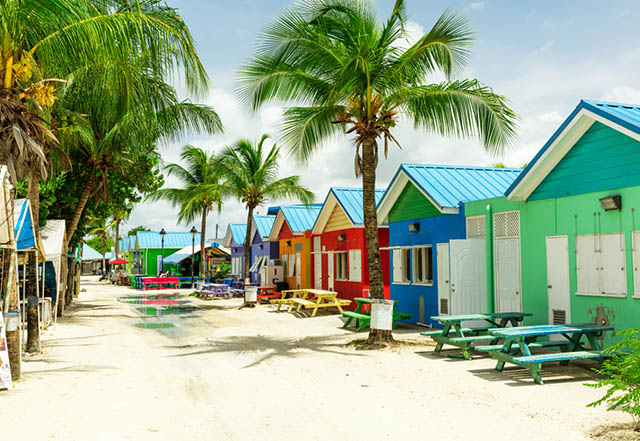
{"x": 193, "y": 257}
{"x": 162, "y": 234}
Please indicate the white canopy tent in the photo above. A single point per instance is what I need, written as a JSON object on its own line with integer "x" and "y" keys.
{"x": 52, "y": 235}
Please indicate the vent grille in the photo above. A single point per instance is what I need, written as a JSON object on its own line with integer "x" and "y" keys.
{"x": 444, "y": 306}
{"x": 559, "y": 317}
{"x": 507, "y": 224}
{"x": 476, "y": 227}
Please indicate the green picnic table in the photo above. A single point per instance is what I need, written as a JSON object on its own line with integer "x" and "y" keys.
{"x": 362, "y": 314}
{"x": 463, "y": 337}
{"x": 518, "y": 342}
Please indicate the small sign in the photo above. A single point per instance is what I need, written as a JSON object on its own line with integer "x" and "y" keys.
{"x": 5, "y": 369}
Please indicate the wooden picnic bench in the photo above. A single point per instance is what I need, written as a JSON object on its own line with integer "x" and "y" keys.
{"x": 159, "y": 283}
{"x": 455, "y": 335}
{"x": 267, "y": 292}
{"x": 518, "y": 342}
{"x": 287, "y": 296}
{"x": 362, "y": 314}
{"x": 320, "y": 299}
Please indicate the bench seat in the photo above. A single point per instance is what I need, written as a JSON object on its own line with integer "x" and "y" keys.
{"x": 452, "y": 331}
{"x": 402, "y": 316}
{"x": 306, "y": 303}
{"x": 561, "y": 356}
{"x": 356, "y": 315}
{"x": 471, "y": 338}
{"x": 536, "y": 345}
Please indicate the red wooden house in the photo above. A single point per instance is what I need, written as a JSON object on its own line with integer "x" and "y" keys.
{"x": 338, "y": 248}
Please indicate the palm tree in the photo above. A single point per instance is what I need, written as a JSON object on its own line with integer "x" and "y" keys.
{"x": 119, "y": 214}
{"x": 99, "y": 227}
{"x": 346, "y": 72}
{"x": 200, "y": 192}
{"x": 252, "y": 177}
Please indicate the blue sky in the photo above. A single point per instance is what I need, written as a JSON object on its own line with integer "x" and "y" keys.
{"x": 543, "y": 55}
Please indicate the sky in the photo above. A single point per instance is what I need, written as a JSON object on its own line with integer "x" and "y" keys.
{"x": 544, "y": 56}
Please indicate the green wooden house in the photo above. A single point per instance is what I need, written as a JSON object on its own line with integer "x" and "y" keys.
{"x": 563, "y": 243}
{"x": 148, "y": 248}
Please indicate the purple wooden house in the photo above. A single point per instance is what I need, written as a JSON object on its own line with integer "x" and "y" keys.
{"x": 234, "y": 240}
{"x": 261, "y": 249}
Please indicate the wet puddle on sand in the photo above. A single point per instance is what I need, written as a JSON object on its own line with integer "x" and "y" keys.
{"x": 163, "y": 312}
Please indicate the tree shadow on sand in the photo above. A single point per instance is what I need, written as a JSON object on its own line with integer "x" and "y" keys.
{"x": 267, "y": 347}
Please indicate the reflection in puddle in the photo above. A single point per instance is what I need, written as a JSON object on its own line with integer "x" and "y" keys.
{"x": 154, "y": 325}
{"x": 166, "y": 310}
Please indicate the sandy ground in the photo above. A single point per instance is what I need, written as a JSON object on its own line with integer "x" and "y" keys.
{"x": 110, "y": 372}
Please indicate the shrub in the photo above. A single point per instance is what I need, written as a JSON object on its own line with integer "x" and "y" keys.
{"x": 622, "y": 376}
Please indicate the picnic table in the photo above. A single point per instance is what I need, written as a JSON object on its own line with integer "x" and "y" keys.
{"x": 518, "y": 342}
{"x": 267, "y": 292}
{"x": 159, "y": 283}
{"x": 362, "y": 314}
{"x": 464, "y": 337}
{"x": 310, "y": 298}
{"x": 211, "y": 290}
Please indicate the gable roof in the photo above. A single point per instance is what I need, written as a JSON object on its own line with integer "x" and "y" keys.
{"x": 89, "y": 253}
{"x": 351, "y": 202}
{"x": 263, "y": 224}
{"x": 185, "y": 253}
{"x": 236, "y": 233}
{"x": 624, "y": 118}
{"x": 447, "y": 186}
{"x": 152, "y": 239}
{"x": 300, "y": 218}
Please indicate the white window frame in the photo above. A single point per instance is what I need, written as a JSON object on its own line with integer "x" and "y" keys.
{"x": 603, "y": 254}
{"x": 427, "y": 251}
{"x": 401, "y": 266}
{"x": 355, "y": 265}
{"x": 342, "y": 268}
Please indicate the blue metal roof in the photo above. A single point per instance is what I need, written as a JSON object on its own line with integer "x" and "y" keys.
{"x": 625, "y": 115}
{"x": 350, "y": 199}
{"x": 23, "y": 227}
{"x": 301, "y": 218}
{"x": 152, "y": 239}
{"x": 89, "y": 253}
{"x": 264, "y": 224}
{"x": 238, "y": 233}
{"x": 449, "y": 185}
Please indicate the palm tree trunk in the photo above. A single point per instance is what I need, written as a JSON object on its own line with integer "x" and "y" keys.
{"x": 34, "y": 196}
{"x": 33, "y": 328}
{"x": 117, "y": 245}
{"x": 62, "y": 288}
{"x": 77, "y": 212}
{"x": 9, "y": 286}
{"x": 247, "y": 249}
{"x": 376, "y": 284}
{"x": 203, "y": 230}
{"x": 104, "y": 252}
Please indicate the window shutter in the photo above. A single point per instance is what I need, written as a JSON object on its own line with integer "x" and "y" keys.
{"x": 613, "y": 274}
{"x": 397, "y": 265}
{"x": 355, "y": 265}
{"x": 587, "y": 264}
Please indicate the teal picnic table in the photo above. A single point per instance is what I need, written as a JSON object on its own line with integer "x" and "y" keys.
{"x": 518, "y": 342}
{"x": 362, "y": 314}
{"x": 462, "y": 337}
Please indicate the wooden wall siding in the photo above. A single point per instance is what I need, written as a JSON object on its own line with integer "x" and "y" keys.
{"x": 602, "y": 159}
{"x": 338, "y": 220}
{"x": 412, "y": 205}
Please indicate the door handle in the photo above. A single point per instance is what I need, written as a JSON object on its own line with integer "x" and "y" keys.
{"x": 517, "y": 292}
{"x": 446, "y": 281}
{"x": 549, "y": 286}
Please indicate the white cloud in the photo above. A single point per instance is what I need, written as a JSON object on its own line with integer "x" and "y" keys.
{"x": 623, "y": 94}
{"x": 625, "y": 12}
{"x": 413, "y": 32}
{"x": 550, "y": 117}
{"x": 545, "y": 48}
{"x": 476, "y": 6}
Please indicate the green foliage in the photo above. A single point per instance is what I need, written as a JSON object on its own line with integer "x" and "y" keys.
{"x": 49, "y": 192}
{"x": 622, "y": 376}
{"x": 96, "y": 244}
{"x": 133, "y": 231}
{"x": 222, "y": 272}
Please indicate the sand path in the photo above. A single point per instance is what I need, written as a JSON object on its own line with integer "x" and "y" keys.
{"x": 111, "y": 372}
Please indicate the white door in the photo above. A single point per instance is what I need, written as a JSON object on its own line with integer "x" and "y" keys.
{"x": 444, "y": 285}
{"x": 330, "y": 270}
{"x": 558, "y": 290}
{"x": 468, "y": 261}
{"x": 635, "y": 246}
{"x": 317, "y": 270}
{"x": 298, "y": 270}
{"x": 507, "y": 256}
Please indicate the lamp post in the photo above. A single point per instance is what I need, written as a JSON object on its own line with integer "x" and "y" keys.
{"x": 162, "y": 234}
{"x": 193, "y": 257}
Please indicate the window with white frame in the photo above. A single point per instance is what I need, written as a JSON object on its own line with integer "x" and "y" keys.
{"x": 422, "y": 265}
{"x": 601, "y": 264}
{"x": 355, "y": 265}
{"x": 401, "y": 265}
{"x": 341, "y": 265}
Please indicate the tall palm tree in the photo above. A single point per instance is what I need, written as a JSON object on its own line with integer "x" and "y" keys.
{"x": 99, "y": 227}
{"x": 346, "y": 72}
{"x": 200, "y": 193}
{"x": 119, "y": 214}
{"x": 251, "y": 175}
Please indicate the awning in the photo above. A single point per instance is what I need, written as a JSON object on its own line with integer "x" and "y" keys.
{"x": 23, "y": 225}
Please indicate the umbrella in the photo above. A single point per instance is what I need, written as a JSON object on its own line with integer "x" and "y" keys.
{"x": 118, "y": 262}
